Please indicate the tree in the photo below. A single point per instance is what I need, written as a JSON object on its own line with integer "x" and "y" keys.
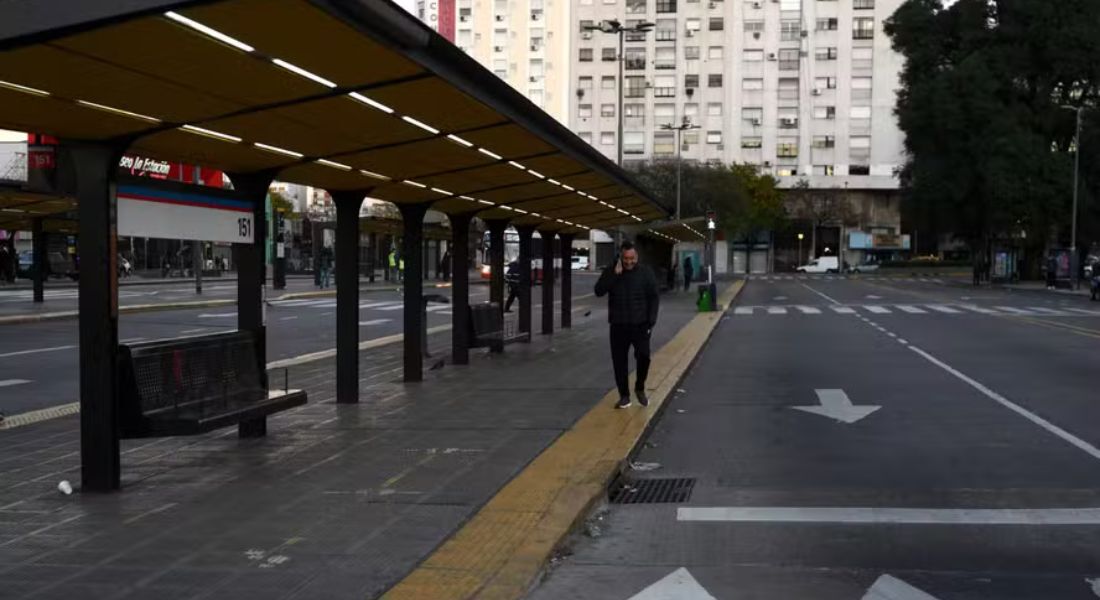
{"x": 819, "y": 207}
{"x": 746, "y": 202}
{"x": 988, "y": 144}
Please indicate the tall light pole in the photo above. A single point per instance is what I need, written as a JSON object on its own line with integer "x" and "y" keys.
{"x": 1076, "y": 170}
{"x": 799, "y": 261}
{"x": 613, "y": 26}
{"x": 683, "y": 126}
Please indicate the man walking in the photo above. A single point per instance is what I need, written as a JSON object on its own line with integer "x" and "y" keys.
{"x": 689, "y": 272}
{"x": 632, "y": 306}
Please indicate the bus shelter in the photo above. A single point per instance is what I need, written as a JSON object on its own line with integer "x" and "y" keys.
{"x": 352, "y": 96}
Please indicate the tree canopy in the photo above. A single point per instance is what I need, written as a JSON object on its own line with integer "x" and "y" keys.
{"x": 745, "y": 201}
{"x": 983, "y": 102}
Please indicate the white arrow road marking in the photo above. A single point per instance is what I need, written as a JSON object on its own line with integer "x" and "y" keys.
{"x": 1094, "y": 585}
{"x": 892, "y": 588}
{"x": 743, "y": 310}
{"x": 836, "y": 405}
{"x": 11, "y": 382}
{"x": 873, "y": 297}
{"x": 678, "y": 585}
{"x": 892, "y": 516}
{"x": 778, "y": 298}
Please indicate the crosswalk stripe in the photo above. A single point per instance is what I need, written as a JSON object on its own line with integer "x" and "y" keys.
{"x": 911, "y": 309}
{"x": 742, "y": 310}
{"x": 375, "y": 304}
{"x": 777, "y": 310}
{"x": 1047, "y": 311}
{"x": 980, "y": 309}
{"x": 843, "y": 310}
{"x": 398, "y": 306}
{"x": 1014, "y": 310}
{"x": 809, "y": 310}
{"x": 944, "y": 309}
{"x": 438, "y": 307}
{"x": 374, "y": 322}
{"x": 878, "y": 310}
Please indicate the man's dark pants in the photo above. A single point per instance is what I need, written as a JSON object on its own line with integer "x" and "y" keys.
{"x": 622, "y": 338}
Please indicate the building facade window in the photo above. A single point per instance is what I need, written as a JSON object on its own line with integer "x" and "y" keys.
{"x": 788, "y": 88}
{"x": 691, "y": 81}
{"x": 717, "y": 24}
{"x": 824, "y": 141}
{"x": 753, "y": 142}
{"x": 863, "y": 28}
{"x": 634, "y": 36}
{"x": 751, "y": 84}
{"x": 634, "y": 59}
{"x": 716, "y": 52}
{"x": 828, "y": 170}
{"x": 861, "y": 88}
{"x": 607, "y": 138}
{"x": 825, "y": 53}
{"x": 584, "y": 82}
{"x": 665, "y": 58}
{"x": 666, "y": 30}
{"x": 635, "y": 87}
{"x": 664, "y": 112}
{"x": 789, "y": 59}
{"x": 691, "y": 109}
{"x": 586, "y": 136}
{"x": 753, "y": 55}
{"x": 607, "y": 82}
{"x": 825, "y": 112}
{"x": 863, "y": 4}
{"x": 714, "y": 109}
{"x": 666, "y": 6}
{"x": 714, "y": 137}
{"x": 633, "y": 142}
{"x": 608, "y": 54}
{"x": 664, "y": 86}
{"x": 584, "y": 111}
{"x": 788, "y": 118}
{"x": 635, "y": 7}
{"x": 691, "y": 52}
{"x": 607, "y": 110}
{"x": 829, "y": 24}
{"x": 714, "y": 80}
{"x": 752, "y": 116}
{"x": 825, "y": 83}
{"x": 634, "y": 114}
{"x": 790, "y": 31}
{"x": 787, "y": 148}
{"x": 863, "y": 59}
{"x": 664, "y": 143}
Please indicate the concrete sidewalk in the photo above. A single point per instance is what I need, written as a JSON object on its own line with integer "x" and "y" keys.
{"x": 339, "y": 501}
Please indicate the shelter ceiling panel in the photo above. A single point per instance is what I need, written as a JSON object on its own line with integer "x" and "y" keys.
{"x": 326, "y": 178}
{"x": 286, "y": 29}
{"x": 379, "y": 226}
{"x": 400, "y": 193}
{"x": 554, "y": 165}
{"x": 542, "y": 224}
{"x": 498, "y": 213}
{"x": 407, "y": 161}
{"x": 277, "y": 130}
{"x": 439, "y": 104}
{"x": 518, "y": 193}
{"x": 456, "y": 205}
{"x": 510, "y": 141}
{"x": 586, "y": 182}
{"x": 555, "y": 203}
{"x": 161, "y": 52}
{"x": 350, "y": 119}
{"x": 176, "y": 145}
{"x": 466, "y": 181}
{"x": 578, "y": 212}
{"x": 24, "y": 112}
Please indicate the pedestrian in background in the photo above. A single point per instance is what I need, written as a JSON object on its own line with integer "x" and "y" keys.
{"x": 632, "y": 307}
{"x": 511, "y": 277}
{"x": 1052, "y": 271}
{"x": 689, "y": 271}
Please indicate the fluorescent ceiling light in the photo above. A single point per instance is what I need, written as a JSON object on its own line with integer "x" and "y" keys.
{"x": 490, "y": 154}
{"x": 118, "y": 111}
{"x": 536, "y": 174}
{"x": 605, "y": 204}
{"x": 458, "y": 140}
{"x": 423, "y": 126}
{"x": 293, "y": 68}
{"x": 535, "y": 214}
{"x": 554, "y": 181}
{"x": 23, "y": 88}
{"x": 444, "y": 192}
{"x": 592, "y": 197}
{"x": 517, "y": 165}
{"x": 414, "y": 184}
{"x": 214, "y": 33}
{"x": 623, "y": 211}
{"x": 374, "y": 175}
{"x": 570, "y": 188}
{"x": 505, "y": 207}
{"x": 225, "y": 137}
{"x": 486, "y": 202}
{"x": 335, "y": 165}
{"x": 371, "y": 103}
{"x": 638, "y": 219}
{"x": 520, "y": 211}
{"x": 278, "y": 150}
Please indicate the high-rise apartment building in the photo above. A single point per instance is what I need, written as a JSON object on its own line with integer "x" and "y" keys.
{"x": 524, "y": 42}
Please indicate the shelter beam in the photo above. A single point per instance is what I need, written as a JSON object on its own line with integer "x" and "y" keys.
{"x": 547, "y": 282}
{"x": 566, "y": 279}
{"x": 413, "y": 249}
{"x": 525, "y": 234}
{"x": 348, "y": 204}
{"x": 460, "y": 288}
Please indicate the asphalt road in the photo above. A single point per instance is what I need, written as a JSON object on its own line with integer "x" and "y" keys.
{"x": 38, "y": 361}
{"x": 945, "y": 448}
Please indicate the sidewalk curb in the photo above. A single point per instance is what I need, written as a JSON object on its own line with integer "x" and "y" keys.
{"x": 133, "y": 308}
{"x": 502, "y": 549}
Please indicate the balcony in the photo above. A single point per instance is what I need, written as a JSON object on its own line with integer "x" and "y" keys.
{"x": 863, "y": 34}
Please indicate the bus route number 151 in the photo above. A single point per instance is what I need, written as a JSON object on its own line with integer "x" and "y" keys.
{"x": 244, "y": 227}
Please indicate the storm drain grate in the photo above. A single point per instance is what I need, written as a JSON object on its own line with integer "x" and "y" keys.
{"x": 652, "y": 491}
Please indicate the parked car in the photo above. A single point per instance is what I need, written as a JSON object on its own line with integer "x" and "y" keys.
{"x": 25, "y": 268}
{"x": 824, "y": 264}
{"x": 863, "y": 268}
{"x": 580, "y": 263}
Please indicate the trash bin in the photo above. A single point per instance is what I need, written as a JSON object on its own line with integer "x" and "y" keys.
{"x": 708, "y": 297}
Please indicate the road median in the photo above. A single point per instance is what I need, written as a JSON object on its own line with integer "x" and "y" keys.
{"x": 502, "y": 549}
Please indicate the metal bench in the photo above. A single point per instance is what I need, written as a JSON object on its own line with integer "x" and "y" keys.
{"x": 194, "y": 385}
{"x": 487, "y": 326}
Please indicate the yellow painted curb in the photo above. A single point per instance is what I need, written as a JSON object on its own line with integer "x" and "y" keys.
{"x": 500, "y": 552}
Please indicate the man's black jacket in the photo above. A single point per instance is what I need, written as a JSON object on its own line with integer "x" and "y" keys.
{"x": 633, "y": 298}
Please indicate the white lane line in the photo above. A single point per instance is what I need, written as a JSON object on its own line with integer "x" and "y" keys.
{"x": 809, "y": 310}
{"x": 903, "y": 341}
{"x": 777, "y": 310}
{"x": 375, "y": 304}
{"x": 437, "y": 307}
{"x": 820, "y": 294}
{"x": 374, "y": 322}
{"x": 913, "y": 310}
{"x": 187, "y": 331}
{"x": 1049, "y": 312}
{"x": 1014, "y": 310}
{"x": 1016, "y": 408}
{"x": 131, "y": 340}
{"x": 843, "y": 310}
{"x": 36, "y": 351}
{"x": 743, "y": 310}
{"x": 289, "y": 318}
{"x": 398, "y": 306}
{"x": 11, "y": 382}
{"x": 878, "y": 310}
{"x": 217, "y": 315}
{"x": 877, "y": 515}
{"x": 1084, "y": 311}
{"x": 944, "y": 309}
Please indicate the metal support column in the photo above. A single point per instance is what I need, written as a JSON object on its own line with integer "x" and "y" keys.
{"x": 412, "y": 243}
{"x": 95, "y": 167}
{"x": 496, "y": 268}
{"x": 197, "y": 263}
{"x": 251, "y": 277}
{"x": 347, "y": 293}
{"x": 460, "y": 289}
{"x": 38, "y": 259}
{"x": 566, "y": 279}
{"x": 547, "y": 282}
{"x": 525, "y": 281}
{"x": 373, "y": 255}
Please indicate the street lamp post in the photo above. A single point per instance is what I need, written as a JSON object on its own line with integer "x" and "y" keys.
{"x": 1073, "y": 220}
{"x": 683, "y": 126}
{"x": 613, "y": 26}
{"x": 799, "y": 261}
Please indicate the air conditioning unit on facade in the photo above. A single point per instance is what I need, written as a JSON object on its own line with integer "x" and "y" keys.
{"x": 586, "y": 35}
{"x": 500, "y": 18}
{"x": 721, "y": 147}
{"x": 789, "y": 121}
{"x": 463, "y": 19}
{"x": 498, "y": 48}
{"x": 756, "y": 122}
{"x": 771, "y": 56}
{"x": 534, "y": 48}
{"x": 712, "y": 5}
{"x": 757, "y": 5}
{"x": 690, "y": 33}
{"x": 756, "y": 35}
{"x": 816, "y": 91}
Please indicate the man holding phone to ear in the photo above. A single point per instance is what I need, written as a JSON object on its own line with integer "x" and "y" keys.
{"x": 632, "y": 306}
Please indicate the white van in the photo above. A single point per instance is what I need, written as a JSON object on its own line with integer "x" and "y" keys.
{"x": 580, "y": 263}
{"x": 823, "y": 264}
